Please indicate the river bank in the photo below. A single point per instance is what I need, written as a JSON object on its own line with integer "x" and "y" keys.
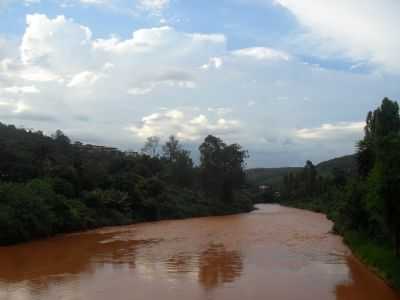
{"x": 51, "y": 215}
{"x": 377, "y": 256}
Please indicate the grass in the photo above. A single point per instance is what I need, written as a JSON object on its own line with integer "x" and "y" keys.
{"x": 379, "y": 257}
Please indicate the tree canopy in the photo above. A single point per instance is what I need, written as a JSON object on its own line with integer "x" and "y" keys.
{"x": 49, "y": 184}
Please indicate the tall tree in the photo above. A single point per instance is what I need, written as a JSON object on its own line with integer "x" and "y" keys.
{"x": 221, "y": 167}
{"x": 172, "y": 149}
{"x": 179, "y": 169}
{"x": 309, "y": 177}
{"x": 380, "y": 123}
{"x": 151, "y": 146}
{"x": 379, "y": 158}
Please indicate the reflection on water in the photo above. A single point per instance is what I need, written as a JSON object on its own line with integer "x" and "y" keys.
{"x": 218, "y": 266}
{"x": 274, "y": 252}
{"x": 70, "y": 255}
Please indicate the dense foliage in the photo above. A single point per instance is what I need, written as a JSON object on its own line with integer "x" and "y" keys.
{"x": 49, "y": 185}
{"x": 365, "y": 207}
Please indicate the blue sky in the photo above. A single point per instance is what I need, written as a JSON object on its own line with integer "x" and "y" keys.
{"x": 290, "y": 80}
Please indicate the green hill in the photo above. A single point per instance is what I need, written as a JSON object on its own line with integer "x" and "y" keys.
{"x": 269, "y": 176}
{"x": 274, "y": 176}
{"x": 347, "y": 163}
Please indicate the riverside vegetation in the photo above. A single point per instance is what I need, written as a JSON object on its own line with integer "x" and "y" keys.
{"x": 364, "y": 204}
{"x": 49, "y": 185}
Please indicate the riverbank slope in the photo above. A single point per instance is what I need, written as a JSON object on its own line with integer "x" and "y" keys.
{"x": 377, "y": 255}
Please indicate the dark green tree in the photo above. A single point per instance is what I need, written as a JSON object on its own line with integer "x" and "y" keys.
{"x": 151, "y": 147}
{"x": 221, "y": 167}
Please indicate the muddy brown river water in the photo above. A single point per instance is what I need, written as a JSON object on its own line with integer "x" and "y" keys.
{"x": 272, "y": 253}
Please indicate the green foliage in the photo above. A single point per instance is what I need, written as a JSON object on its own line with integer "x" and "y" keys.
{"x": 179, "y": 169}
{"x": 221, "y": 167}
{"x": 378, "y": 255}
{"x": 50, "y": 186}
{"x": 364, "y": 208}
{"x": 274, "y": 176}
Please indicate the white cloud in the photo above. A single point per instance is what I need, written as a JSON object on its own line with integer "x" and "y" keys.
{"x": 143, "y": 40}
{"x": 61, "y": 50}
{"x": 361, "y": 30}
{"x": 261, "y": 53}
{"x": 37, "y": 73}
{"x": 205, "y": 38}
{"x": 85, "y": 78}
{"x": 113, "y": 82}
{"x": 220, "y": 111}
{"x": 331, "y": 131}
{"x": 154, "y": 5}
{"x": 170, "y": 78}
{"x": 140, "y": 90}
{"x": 29, "y": 2}
{"x": 214, "y": 62}
{"x": 54, "y": 42}
{"x": 184, "y": 125}
{"x": 13, "y": 107}
{"x": 22, "y": 90}
{"x": 93, "y": 1}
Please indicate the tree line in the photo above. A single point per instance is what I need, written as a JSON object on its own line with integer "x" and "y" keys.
{"x": 49, "y": 185}
{"x": 368, "y": 202}
{"x": 365, "y": 207}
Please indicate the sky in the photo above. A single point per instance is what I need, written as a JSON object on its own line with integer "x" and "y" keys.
{"x": 289, "y": 80}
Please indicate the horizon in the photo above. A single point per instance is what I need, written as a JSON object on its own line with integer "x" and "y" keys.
{"x": 288, "y": 80}
{"x": 192, "y": 151}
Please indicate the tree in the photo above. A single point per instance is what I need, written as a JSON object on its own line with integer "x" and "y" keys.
{"x": 309, "y": 177}
{"x": 179, "y": 170}
{"x": 171, "y": 149}
{"x": 384, "y": 187}
{"x": 151, "y": 146}
{"x": 221, "y": 167}
{"x": 60, "y": 137}
{"x": 211, "y": 164}
{"x": 380, "y": 123}
{"x": 379, "y": 159}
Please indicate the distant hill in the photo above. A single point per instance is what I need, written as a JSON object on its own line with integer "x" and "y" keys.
{"x": 270, "y": 176}
{"x": 347, "y": 163}
{"x": 274, "y": 176}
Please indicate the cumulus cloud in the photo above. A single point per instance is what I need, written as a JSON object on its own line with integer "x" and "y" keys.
{"x": 22, "y": 90}
{"x": 261, "y": 53}
{"x": 171, "y": 78}
{"x": 18, "y": 110}
{"x": 184, "y": 125}
{"x": 214, "y": 62}
{"x": 62, "y": 50}
{"x": 85, "y": 78}
{"x": 341, "y": 130}
{"x": 154, "y": 5}
{"x": 361, "y": 30}
{"x": 13, "y": 106}
{"x": 93, "y": 1}
{"x": 59, "y": 43}
{"x": 61, "y": 71}
{"x": 220, "y": 111}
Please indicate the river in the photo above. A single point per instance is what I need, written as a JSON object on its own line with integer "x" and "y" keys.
{"x": 274, "y": 252}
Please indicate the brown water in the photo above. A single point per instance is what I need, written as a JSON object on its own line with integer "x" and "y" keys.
{"x": 272, "y": 253}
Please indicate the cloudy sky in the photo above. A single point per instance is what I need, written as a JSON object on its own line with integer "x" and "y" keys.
{"x": 290, "y": 80}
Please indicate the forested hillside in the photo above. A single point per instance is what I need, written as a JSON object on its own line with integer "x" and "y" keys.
{"x": 270, "y": 176}
{"x": 275, "y": 176}
{"x": 49, "y": 185}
